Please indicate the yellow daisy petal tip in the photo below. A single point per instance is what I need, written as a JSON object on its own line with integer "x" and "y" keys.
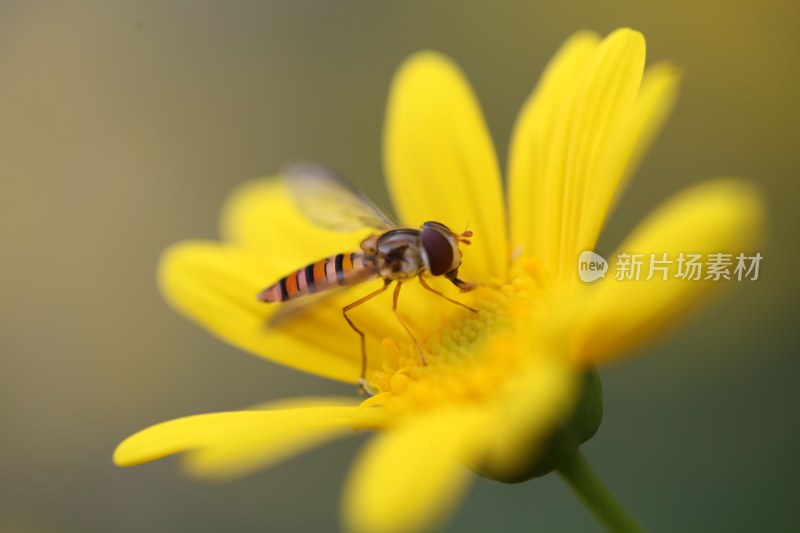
{"x": 738, "y": 207}
{"x": 660, "y": 86}
{"x": 172, "y": 258}
{"x": 124, "y": 455}
{"x": 141, "y": 448}
{"x": 749, "y": 202}
{"x": 238, "y": 205}
{"x": 121, "y": 457}
{"x": 581, "y": 36}
{"x": 423, "y": 66}
{"x": 627, "y": 36}
{"x": 177, "y": 265}
{"x": 667, "y": 70}
{"x": 426, "y": 59}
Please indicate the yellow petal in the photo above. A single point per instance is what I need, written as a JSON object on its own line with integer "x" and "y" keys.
{"x": 606, "y": 94}
{"x": 532, "y": 137}
{"x": 410, "y": 478}
{"x": 628, "y": 143}
{"x": 440, "y": 162}
{"x": 602, "y": 92}
{"x": 723, "y": 216}
{"x": 226, "y": 445}
{"x": 216, "y": 285}
{"x": 261, "y": 215}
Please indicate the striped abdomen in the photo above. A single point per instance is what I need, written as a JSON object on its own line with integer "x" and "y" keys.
{"x": 343, "y": 269}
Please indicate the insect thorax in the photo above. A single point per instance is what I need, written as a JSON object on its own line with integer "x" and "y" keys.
{"x": 397, "y": 254}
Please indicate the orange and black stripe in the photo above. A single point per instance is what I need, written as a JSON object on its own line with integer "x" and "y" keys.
{"x": 318, "y": 276}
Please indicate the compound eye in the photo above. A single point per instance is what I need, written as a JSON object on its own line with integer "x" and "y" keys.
{"x": 438, "y": 248}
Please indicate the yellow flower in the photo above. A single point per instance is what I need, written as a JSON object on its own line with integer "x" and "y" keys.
{"x": 498, "y": 383}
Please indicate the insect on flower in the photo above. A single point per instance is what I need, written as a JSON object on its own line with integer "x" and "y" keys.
{"x": 395, "y": 255}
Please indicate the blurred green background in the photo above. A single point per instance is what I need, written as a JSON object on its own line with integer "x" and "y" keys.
{"x": 124, "y": 125}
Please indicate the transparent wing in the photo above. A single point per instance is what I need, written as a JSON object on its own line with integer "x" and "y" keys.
{"x": 328, "y": 201}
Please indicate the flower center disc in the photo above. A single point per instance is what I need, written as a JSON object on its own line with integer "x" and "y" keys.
{"x": 470, "y": 357}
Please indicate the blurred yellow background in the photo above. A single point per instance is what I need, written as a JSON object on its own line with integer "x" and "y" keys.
{"x": 124, "y": 125}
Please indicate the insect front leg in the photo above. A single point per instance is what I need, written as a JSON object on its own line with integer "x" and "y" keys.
{"x": 463, "y": 286}
{"x": 362, "y": 382}
{"x": 434, "y": 291}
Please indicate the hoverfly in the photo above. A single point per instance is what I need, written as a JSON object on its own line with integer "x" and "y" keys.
{"x": 395, "y": 255}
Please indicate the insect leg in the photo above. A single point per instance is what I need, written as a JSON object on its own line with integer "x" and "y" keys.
{"x": 361, "y": 380}
{"x": 399, "y": 319}
{"x": 463, "y": 286}
{"x": 434, "y": 291}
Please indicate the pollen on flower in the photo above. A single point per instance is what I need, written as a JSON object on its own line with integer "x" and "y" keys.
{"x": 466, "y": 360}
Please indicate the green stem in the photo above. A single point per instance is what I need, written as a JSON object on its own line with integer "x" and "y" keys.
{"x": 591, "y": 490}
